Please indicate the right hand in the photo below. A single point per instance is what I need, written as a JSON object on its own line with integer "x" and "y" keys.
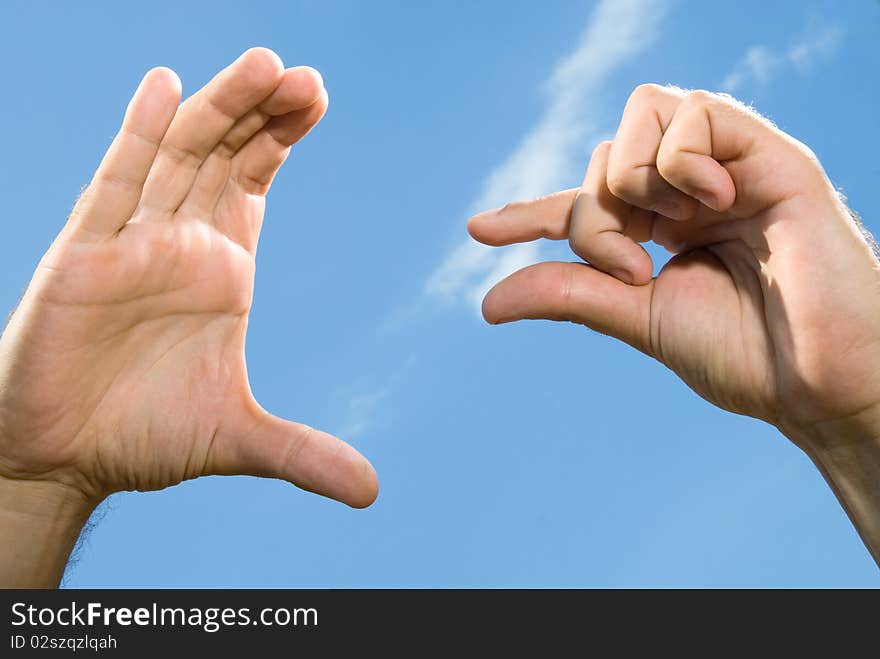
{"x": 771, "y": 307}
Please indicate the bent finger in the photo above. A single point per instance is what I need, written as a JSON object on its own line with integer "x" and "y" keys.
{"x": 597, "y": 231}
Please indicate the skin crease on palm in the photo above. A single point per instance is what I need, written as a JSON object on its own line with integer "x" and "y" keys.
{"x": 123, "y": 367}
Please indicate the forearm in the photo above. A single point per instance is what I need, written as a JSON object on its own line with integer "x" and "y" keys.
{"x": 850, "y": 463}
{"x": 39, "y": 526}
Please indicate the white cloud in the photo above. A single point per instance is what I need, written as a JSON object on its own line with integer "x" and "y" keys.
{"x": 363, "y": 408}
{"x": 552, "y": 151}
{"x": 761, "y": 64}
{"x": 361, "y": 412}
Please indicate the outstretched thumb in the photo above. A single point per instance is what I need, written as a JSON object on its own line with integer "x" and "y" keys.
{"x": 269, "y": 446}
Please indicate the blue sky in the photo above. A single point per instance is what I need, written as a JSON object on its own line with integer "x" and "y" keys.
{"x": 533, "y": 454}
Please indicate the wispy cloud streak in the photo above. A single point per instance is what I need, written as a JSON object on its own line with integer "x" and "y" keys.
{"x": 761, "y": 64}
{"x": 363, "y": 409}
{"x": 546, "y": 157}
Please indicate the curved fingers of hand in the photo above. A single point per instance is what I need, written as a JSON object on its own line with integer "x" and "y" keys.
{"x": 689, "y": 154}
{"x": 202, "y": 121}
{"x": 299, "y": 89}
{"x": 598, "y": 227}
{"x": 255, "y": 165}
{"x": 632, "y": 162}
{"x": 707, "y": 149}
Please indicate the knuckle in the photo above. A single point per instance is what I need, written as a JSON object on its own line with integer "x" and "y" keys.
{"x": 668, "y": 160}
{"x": 510, "y": 207}
{"x": 115, "y": 180}
{"x": 620, "y": 181}
{"x": 810, "y": 166}
{"x": 566, "y": 295}
{"x": 601, "y": 148}
{"x": 581, "y": 244}
{"x": 700, "y": 97}
{"x": 574, "y": 239}
{"x": 180, "y": 156}
{"x": 671, "y": 165}
{"x": 646, "y": 92}
{"x": 87, "y": 193}
{"x": 297, "y": 445}
{"x": 805, "y": 152}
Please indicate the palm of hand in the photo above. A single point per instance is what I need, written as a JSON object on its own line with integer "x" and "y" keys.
{"x": 128, "y": 349}
{"x": 162, "y": 308}
{"x": 707, "y": 323}
{"x": 752, "y": 324}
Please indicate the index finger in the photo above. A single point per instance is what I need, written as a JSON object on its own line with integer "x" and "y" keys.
{"x": 525, "y": 221}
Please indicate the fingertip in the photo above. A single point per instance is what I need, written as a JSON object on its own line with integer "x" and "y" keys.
{"x": 702, "y": 178}
{"x": 308, "y": 117}
{"x": 491, "y": 307}
{"x": 163, "y": 72}
{"x": 313, "y": 75}
{"x": 623, "y": 275}
{"x": 641, "y": 278}
{"x": 473, "y": 227}
{"x": 722, "y": 199}
{"x": 318, "y": 109}
{"x": 300, "y": 88}
{"x": 355, "y": 482}
{"x": 368, "y": 490}
{"x": 485, "y": 310}
{"x": 631, "y": 277}
{"x": 483, "y": 228}
{"x": 641, "y": 268}
{"x": 263, "y": 54}
{"x": 529, "y": 293}
{"x": 161, "y": 80}
{"x": 154, "y": 103}
{"x": 264, "y": 65}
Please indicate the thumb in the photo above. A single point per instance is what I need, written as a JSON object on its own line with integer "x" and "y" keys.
{"x": 575, "y": 292}
{"x": 269, "y": 446}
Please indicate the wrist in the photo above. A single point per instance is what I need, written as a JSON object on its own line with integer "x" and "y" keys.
{"x": 40, "y": 522}
{"x": 829, "y": 440}
{"x": 848, "y": 457}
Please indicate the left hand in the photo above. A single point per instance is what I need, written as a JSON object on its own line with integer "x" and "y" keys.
{"x": 123, "y": 368}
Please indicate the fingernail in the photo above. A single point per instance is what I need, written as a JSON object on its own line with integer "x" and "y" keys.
{"x": 708, "y": 199}
{"x": 491, "y": 211}
{"x": 667, "y": 209}
{"x": 621, "y": 274}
